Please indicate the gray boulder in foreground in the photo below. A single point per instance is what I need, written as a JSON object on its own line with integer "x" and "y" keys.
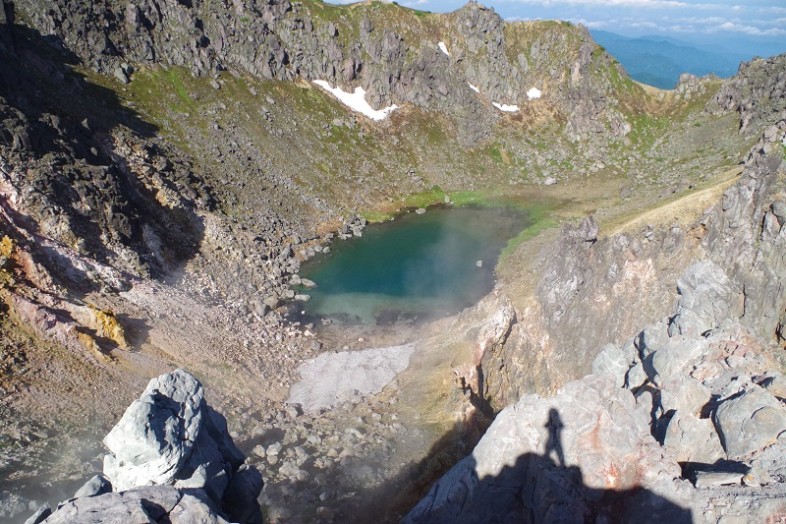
{"x": 171, "y": 460}
{"x": 149, "y": 504}
{"x": 156, "y": 434}
{"x": 98, "y": 485}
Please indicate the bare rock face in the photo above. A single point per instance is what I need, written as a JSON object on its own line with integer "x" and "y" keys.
{"x": 684, "y": 420}
{"x": 707, "y": 298}
{"x": 288, "y": 40}
{"x": 647, "y": 450}
{"x": 171, "y": 459}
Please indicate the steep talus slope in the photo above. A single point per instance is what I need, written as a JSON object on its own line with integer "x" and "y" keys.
{"x": 98, "y": 218}
{"x": 73, "y": 155}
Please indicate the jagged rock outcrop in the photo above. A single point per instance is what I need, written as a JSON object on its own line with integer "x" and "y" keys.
{"x": 85, "y": 174}
{"x": 740, "y": 239}
{"x": 577, "y": 457}
{"x": 364, "y": 46}
{"x": 697, "y": 390}
{"x": 756, "y": 92}
{"x": 171, "y": 460}
{"x": 645, "y": 447}
{"x": 585, "y": 280}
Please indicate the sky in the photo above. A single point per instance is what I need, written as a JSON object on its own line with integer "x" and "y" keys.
{"x": 711, "y": 21}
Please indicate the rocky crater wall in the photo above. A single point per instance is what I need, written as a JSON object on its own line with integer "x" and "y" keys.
{"x": 679, "y": 415}
{"x": 389, "y": 51}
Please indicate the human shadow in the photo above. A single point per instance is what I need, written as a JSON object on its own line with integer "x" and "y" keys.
{"x": 538, "y": 489}
{"x": 554, "y": 444}
{"x": 534, "y": 489}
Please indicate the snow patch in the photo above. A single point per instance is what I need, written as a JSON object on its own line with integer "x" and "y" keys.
{"x": 333, "y": 378}
{"x": 505, "y": 107}
{"x": 357, "y": 101}
{"x": 534, "y": 93}
{"x": 473, "y": 88}
{"x": 443, "y": 48}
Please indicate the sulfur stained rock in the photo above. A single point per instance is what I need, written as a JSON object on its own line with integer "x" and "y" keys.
{"x": 108, "y": 325}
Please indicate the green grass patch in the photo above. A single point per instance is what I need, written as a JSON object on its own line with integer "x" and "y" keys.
{"x": 482, "y": 198}
{"x": 495, "y": 154}
{"x": 541, "y": 218}
{"x": 435, "y": 195}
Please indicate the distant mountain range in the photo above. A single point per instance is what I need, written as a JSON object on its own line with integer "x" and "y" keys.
{"x": 659, "y": 60}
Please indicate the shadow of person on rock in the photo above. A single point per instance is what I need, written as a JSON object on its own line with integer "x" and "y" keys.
{"x": 535, "y": 489}
{"x": 554, "y": 426}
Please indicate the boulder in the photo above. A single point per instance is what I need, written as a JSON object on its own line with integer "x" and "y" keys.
{"x": 778, "y": 209}
{"x": 707, "y": 299}
{"x": 611, "y": 360}
{"x": 775, "y": 384}
{"x": 714, "y": 479}
{"x": 40, "y": 515}
{"x": 651, "y": 338}
{"x": 156, "y": 434}
{"x": 172, "y": 436}
{"x": 750, "y": 422}
{"x": 692, "y": 439}
{"x": 671, "y": 359}
{"x": 171, "y": 458}
{"x": 120, "y": 75}
{"x": 142, "y": 505}
{"x": 98, "y": 485}
{"x": 685, "y": 394}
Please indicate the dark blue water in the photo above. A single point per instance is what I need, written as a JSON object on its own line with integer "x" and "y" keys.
{"x": 416, "y": 266}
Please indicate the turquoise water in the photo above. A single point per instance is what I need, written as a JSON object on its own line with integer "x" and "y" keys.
{"x": 413, "y": 267}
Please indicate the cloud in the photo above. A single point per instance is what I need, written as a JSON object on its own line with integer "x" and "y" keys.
{"x": 648, "y": 4}
{"x": 594, "y": 24}
{"x": 638, "y": 4}
{"x": 747, "y": 29}
{"x": 605, "y": 3}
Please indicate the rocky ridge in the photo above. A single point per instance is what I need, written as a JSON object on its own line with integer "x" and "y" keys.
{"x": 289, "y": 40}
{"x": 681, "y": 421}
